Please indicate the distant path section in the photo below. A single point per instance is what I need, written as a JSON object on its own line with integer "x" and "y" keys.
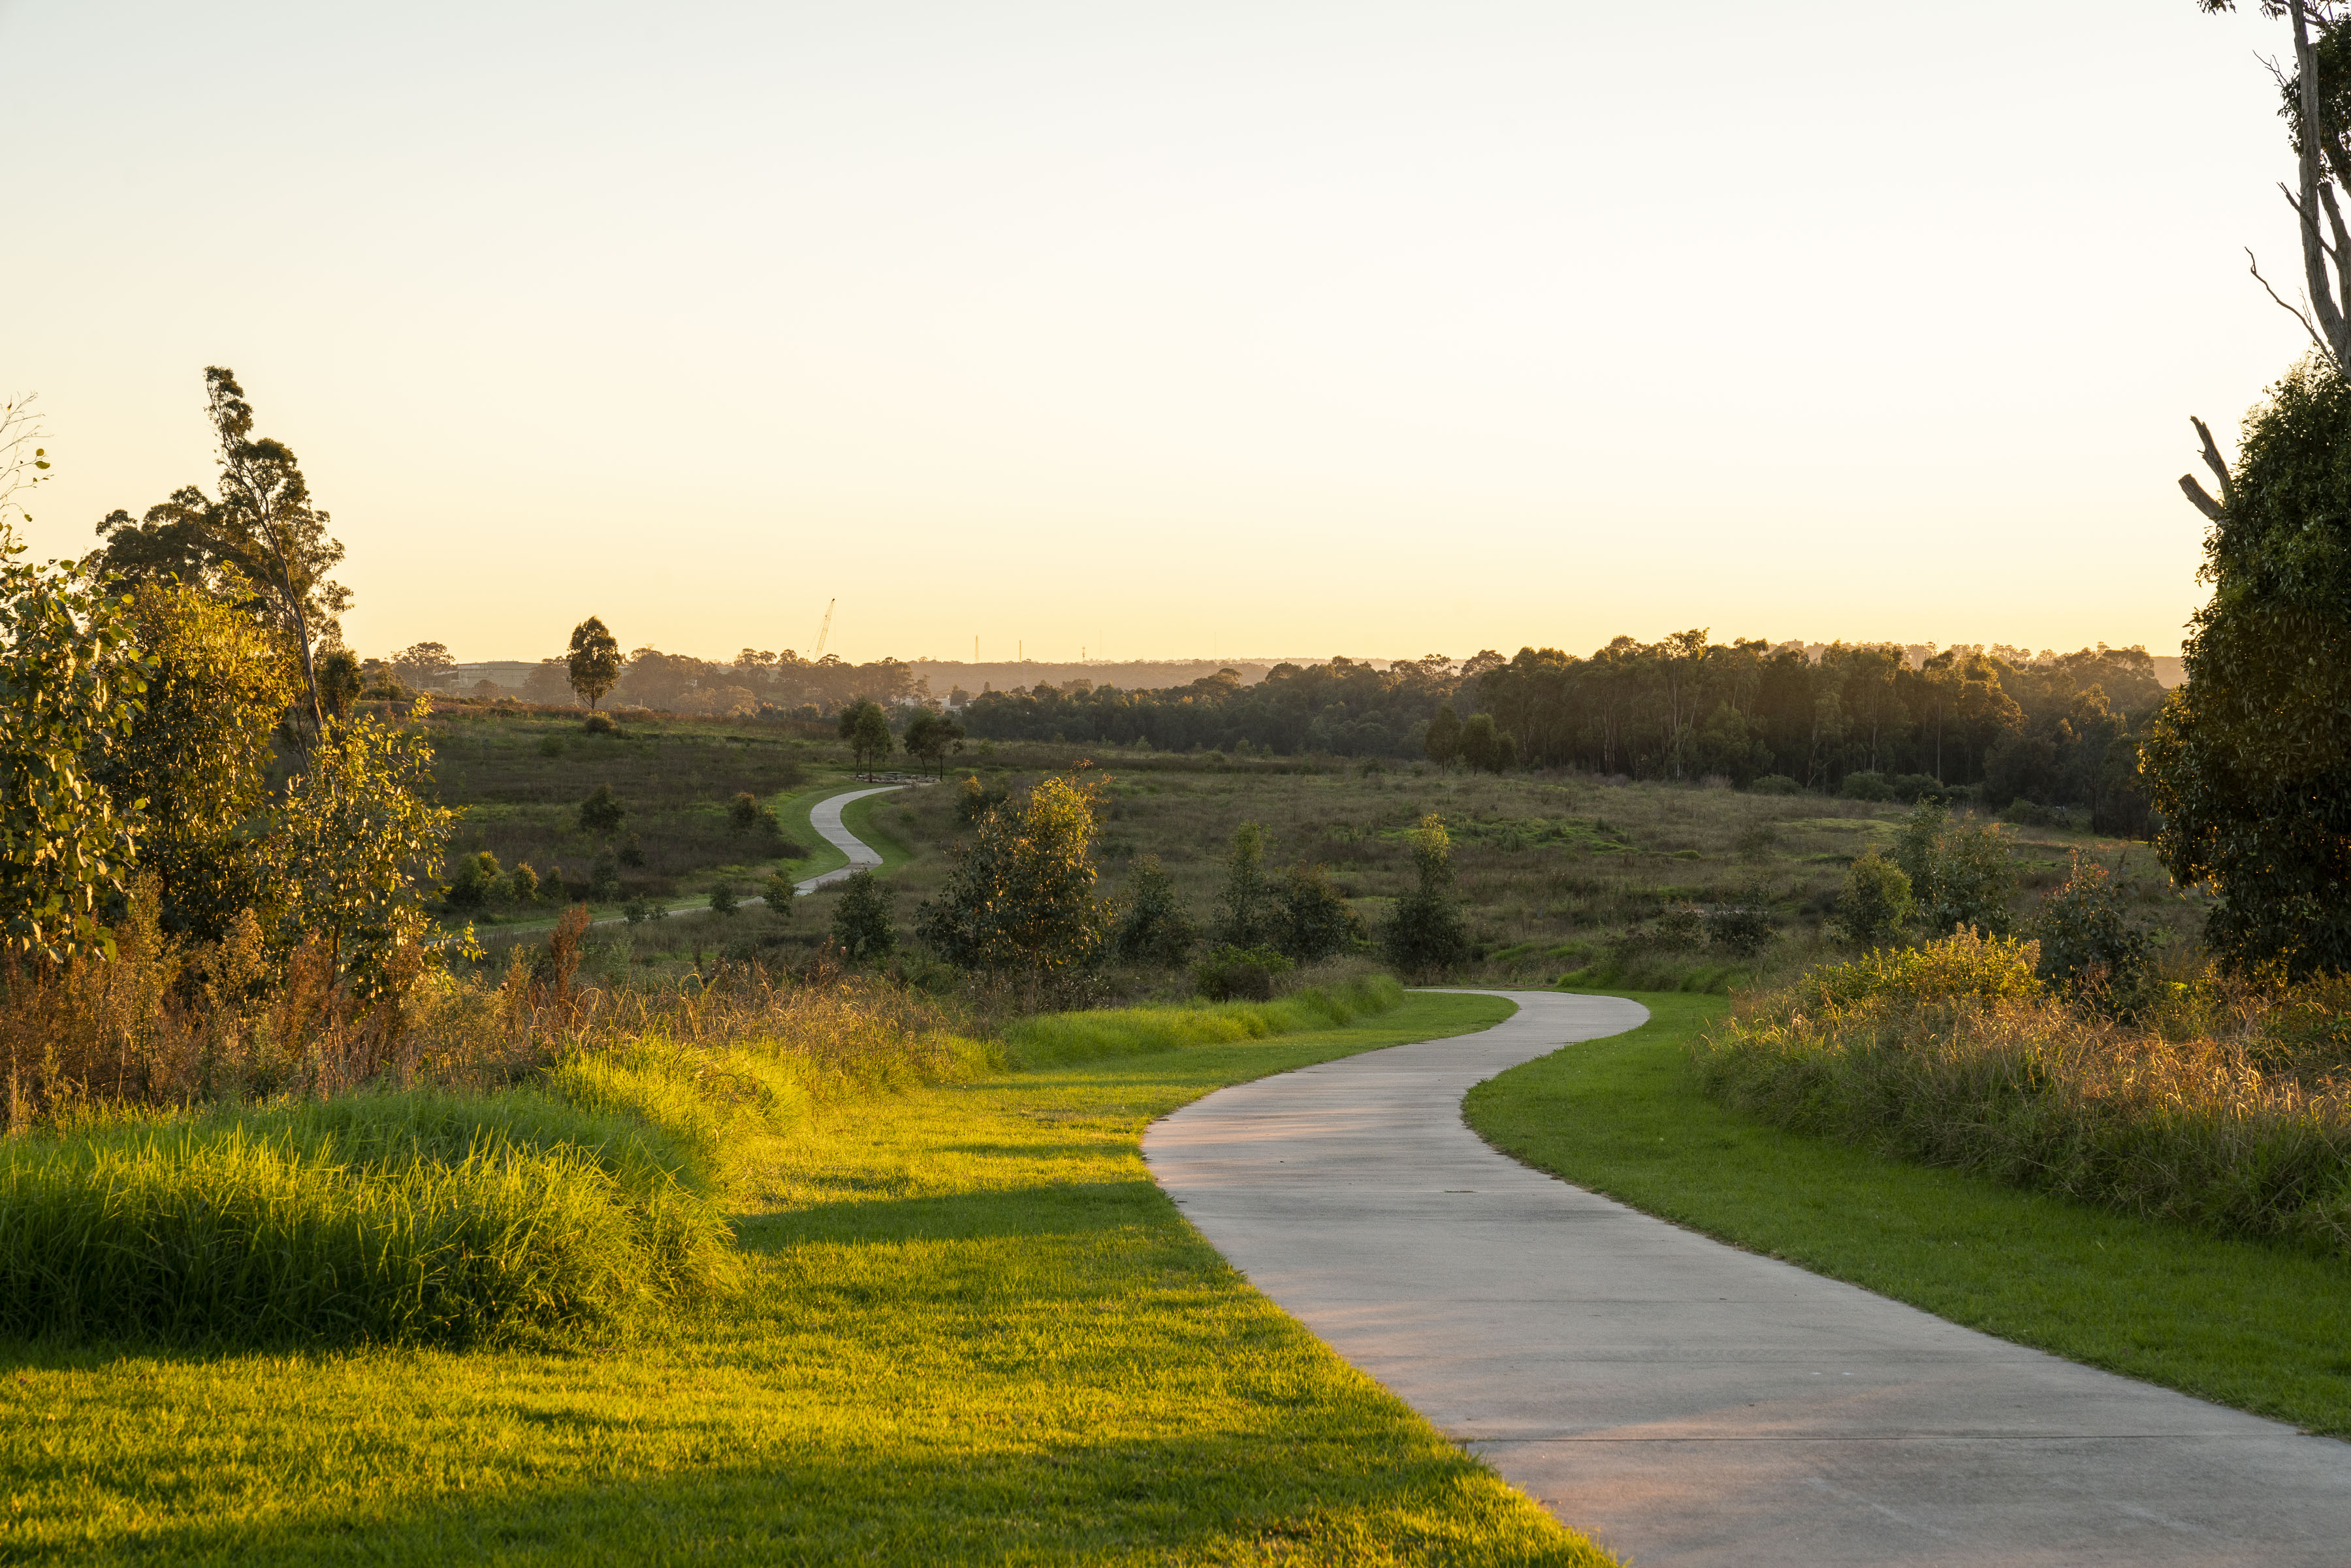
{"x": 825, "y": 817}
{"x": 1685, "y": 1401}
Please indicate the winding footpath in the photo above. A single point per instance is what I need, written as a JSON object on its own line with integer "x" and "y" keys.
{"x": 1679, "y": 1400}
{"x": 825, "y": 817}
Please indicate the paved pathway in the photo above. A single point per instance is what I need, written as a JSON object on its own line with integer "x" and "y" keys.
{"x": 1680, "y": 1400}
{"x": 825, "y": 817}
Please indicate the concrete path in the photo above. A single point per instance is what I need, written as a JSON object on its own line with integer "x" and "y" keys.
{"x": 1684, "y": 1402}
{"x": 825, "y": 817}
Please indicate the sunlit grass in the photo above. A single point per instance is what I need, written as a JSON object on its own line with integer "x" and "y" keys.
{"x": 969, "y": 1328}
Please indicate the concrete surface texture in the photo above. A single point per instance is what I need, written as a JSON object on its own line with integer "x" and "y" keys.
{"x": 825, "y": 817}
{"x": 1685, "y": 1401}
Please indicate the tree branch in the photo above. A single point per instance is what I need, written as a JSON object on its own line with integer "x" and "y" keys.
{"x": 2337, "y": 341}
{"x": 2199, "y": 499}
{"x": 2289, "y": 309}
{"x": 2212, "y": 456}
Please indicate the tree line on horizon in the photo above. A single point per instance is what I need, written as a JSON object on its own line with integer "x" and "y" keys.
{"x": 2051, "y": 728}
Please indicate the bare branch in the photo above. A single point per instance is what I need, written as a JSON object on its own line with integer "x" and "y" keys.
{"x": 2336, "y": 339}
{"x": 2212, "y": 455}
{"x": 2199, "y": 499}
{"x": 2289, "y": 309}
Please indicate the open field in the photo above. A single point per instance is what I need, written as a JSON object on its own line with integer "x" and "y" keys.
{"x": 2255, "y": 1326}
{"x": 966, "y": 1327}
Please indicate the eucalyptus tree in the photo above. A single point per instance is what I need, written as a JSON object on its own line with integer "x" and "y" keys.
{"x": 593, "y": 663}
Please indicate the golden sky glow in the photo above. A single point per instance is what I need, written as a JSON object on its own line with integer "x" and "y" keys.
{"x": 1380, "y": 329}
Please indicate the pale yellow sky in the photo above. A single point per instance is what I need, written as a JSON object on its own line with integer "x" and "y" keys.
{"x": 1377, "y": 328}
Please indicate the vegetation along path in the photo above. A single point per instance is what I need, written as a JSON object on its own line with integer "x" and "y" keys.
{"x": 1684, "y": 1401}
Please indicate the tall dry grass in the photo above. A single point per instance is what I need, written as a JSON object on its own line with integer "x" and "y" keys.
{"x": 2226, "y": 1104}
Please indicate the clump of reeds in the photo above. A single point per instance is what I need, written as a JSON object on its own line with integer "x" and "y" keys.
{"x": 2222, "y": 1103}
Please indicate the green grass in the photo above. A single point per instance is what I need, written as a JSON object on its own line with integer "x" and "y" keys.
{"x": 1092, "y": 1036}
{"x": 793, "y": 813}
{"x": 859, "y": 818}
{"x": 967, "y": 1328}
{"x": 2261, "y": 1328}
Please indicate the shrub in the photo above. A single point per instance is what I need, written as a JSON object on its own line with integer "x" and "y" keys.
{"x": 1315, "y": 920}
{"x": 1020, "y": 895}
{"x": 723, "y": 901}
{"x": 1153, "y": 928}
{"x": 522, "y": 885}
{"x": 600, "y": 724}
{"x": 472, "y": 882}
{"x": 604, "y": 875}
{"x": 1248, "y": 911}
{"x": 1866, "y": 787}
{"x": 1240, "y": 974}
{"x": 640, "y": 909}
{"x": 1960, "y": 874}
{"x": 976, "y": 800}
{"x": 1876, "y": 903}
{"x": 2087, "y": 943}
{"x": 1745, "y": 928}
{"x": 779, "y": 894}
{"x": 1775, "y": 784}
{"x": 1966, "y": 963}
{"x": 1424, "y": 935}
{"x": 1912, "y": 788}
{"x": 862, "y": 923}
{"x": 601, "y": 813}
{"x": 550, "y": 746}
{"x": 743, "y": 813}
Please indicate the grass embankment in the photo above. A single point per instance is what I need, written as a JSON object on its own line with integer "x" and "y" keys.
{"x": 2258, "y": 1327}
{"x": 1054, "y": 1037}
{"x": 966, "y": 1326}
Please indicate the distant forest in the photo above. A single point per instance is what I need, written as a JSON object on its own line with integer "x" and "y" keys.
{"x": 2050, "y": 728}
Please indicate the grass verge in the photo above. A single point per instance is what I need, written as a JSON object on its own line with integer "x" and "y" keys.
{"x": 1055, "y": 1038}
{"x": 2262, "y": 1328}
{"x": 967, "y": 1327}
{"x": 859, "y": 818}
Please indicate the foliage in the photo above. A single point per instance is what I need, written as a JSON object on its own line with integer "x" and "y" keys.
{"x": 425, "y": 664}
{"x": 592, "y": 663}
{"x": 1876, "y": 905}
{"x": 473, "y": 881}
{"x": 71, "y": 684}
{"x": 1443, "y": 743}
{"x": 931, "y": 736}
{"x": 1957, "y": 1055}
{"x": 1315, "y": 920}
{"x": 1424, "y": 935}
{"x": 779, "y": 893}
{"x": 356, "y": 845}
{"x": 1227, "y": 973}
{"x": 863, "y": 927}
{"x": 198, "y": 752}
{"x": 866, "y": 727}
{"x": 603, "y": 812}
{"x": 1744, "y": 927}
{"x": 1153, "y": 926}
{"x": 2087, "y": 943}
{"x": 2251, "y": 761}
{"x": 722, "y": 902}
{"x": 341, "y": 680}
{"x": 1249, "y": 910}
{"x": 261, "y": 543}
{"x": 1019, "y": 897}
{"x": 976, "y": 801}
{"x": 1960, "y": 874}
{"x": 1487, "y": 748}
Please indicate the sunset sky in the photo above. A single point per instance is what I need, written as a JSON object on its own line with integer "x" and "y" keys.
{"x": 1369, "y": 328}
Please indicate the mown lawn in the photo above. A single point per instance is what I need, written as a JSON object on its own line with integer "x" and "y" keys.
{"x": 967, "y": 1328}
{"x": 2264, "y": 1328}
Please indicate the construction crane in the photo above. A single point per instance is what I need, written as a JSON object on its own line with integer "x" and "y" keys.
{"x": 825, "y": 631}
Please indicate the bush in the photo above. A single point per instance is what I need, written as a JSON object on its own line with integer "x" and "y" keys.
{"x": 976, "y": 801}
{"x": 1240, "y": 974}
{"x": 1866, "y": 787}
{"x": 522, "y": 885}
{"x": 862, "y": 925}
{"x": 640, "y": 909}
{"x": 1876, "y": 903}
{"x": 1961, "y": 875}
{"x": 1745, "y": 928}
{"x": 472, "y": 882}
{"x": 1775, "y": 784}
{"x": 1966, "y": 963}
{"x": 600, "y": 724}
{"x": 1912, "y": 788}
{"x": 1424, "y": 935}
{"x": 779, "y": 894}
{"x": 2087, "y": 943}
{"x": 601, "y": 813}
{"x": 722, "y": 902}
{"x": 1316, "y": 923}
{"x": 604, "y": 875}
{"x": 1153, "y": 928}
